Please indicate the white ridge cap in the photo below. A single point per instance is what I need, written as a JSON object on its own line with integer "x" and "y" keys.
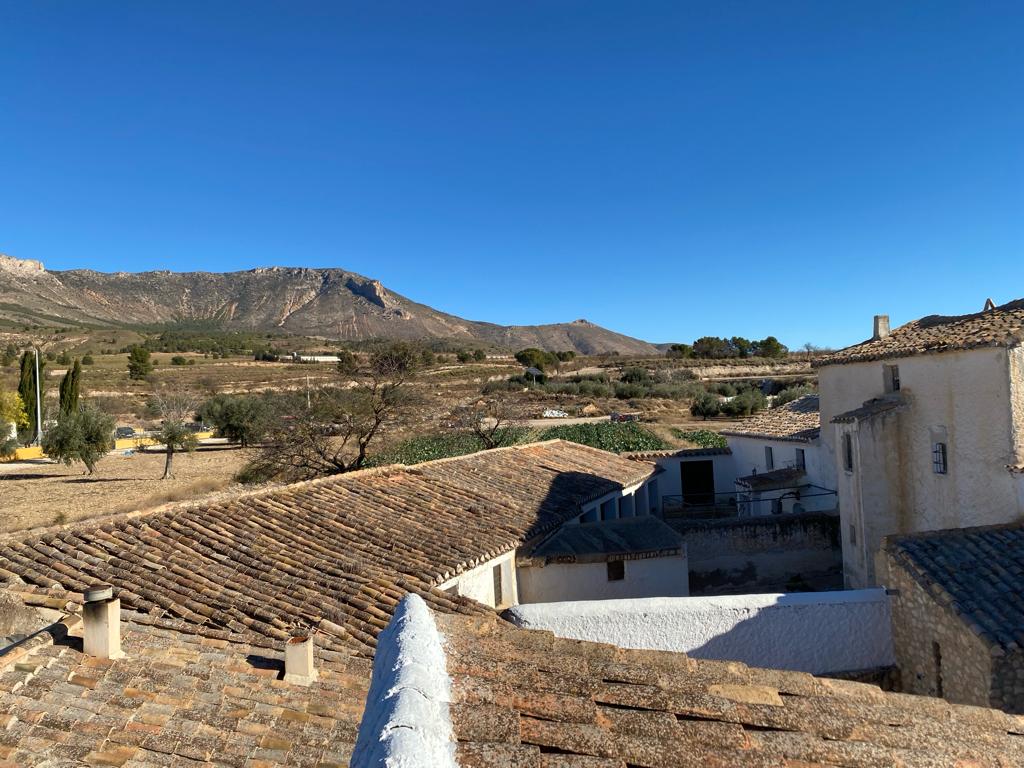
{"x": 406, "y": 723}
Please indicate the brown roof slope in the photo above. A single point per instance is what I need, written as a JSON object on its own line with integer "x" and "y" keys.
{"x": 977, "y": 573}
{"x": 174, "y": 699}
{"x": 1002, "y": 326}
{"x": 526, "y": 698}
{"x": 798, "y": 420}
{"x": 338, "y": 552}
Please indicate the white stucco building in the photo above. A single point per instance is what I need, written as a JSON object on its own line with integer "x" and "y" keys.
{"x": 922, "y": 424}
{"x": 636, "y": 557}
{"x": 779, "y": 462}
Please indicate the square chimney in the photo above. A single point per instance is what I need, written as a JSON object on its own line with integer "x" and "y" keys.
{"x": 101, "y": 616}
{"x": 881, "y": 329}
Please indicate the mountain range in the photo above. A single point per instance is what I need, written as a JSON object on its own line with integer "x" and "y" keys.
{"x": 323, "y": 303}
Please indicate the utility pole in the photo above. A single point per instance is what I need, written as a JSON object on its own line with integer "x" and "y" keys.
{"x": 307, "y": 393}
{"x": 39, "y": 402}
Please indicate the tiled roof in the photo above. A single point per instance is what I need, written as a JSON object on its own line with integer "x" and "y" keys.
{"x": 1002, "y": 326}
{"x": 677, "y": 452}
{"x": 337, "y": 553}
{"x": 607, "y": 540}
{"x": 174, "y": 700}
{"x": 786, "y": 477}
{"x": 977, "y": 573}
{"x": 870, "y": 409}
{"x": 527, "y": 698}
{"x": 797, "y": 420}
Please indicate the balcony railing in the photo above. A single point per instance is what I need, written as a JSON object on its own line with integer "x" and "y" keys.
{"x": 778, "y": 501}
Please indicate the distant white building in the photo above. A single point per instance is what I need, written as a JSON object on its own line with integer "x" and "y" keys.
{"x": 779, "y": 461}
{"x": 922, "y": 424}
{"x": 297, "y": 358}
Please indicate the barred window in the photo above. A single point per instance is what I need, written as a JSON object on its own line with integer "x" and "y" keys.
{"x": 848, "y": 452}
{"x": 940, "y": 461}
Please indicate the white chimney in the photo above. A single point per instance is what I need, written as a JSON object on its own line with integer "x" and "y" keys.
{"x": 298, "y": 661}
{"x": 101, "y": 615}
{"x": 881, "y": 327}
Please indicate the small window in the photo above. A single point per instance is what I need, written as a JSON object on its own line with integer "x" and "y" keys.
{"x": 801, "y": 460}
{"x": 769, "y": 458}
{"x": 892, "y": 378}
{"x": 616, "y": 570}
{"x": 940, "y": 463}
{"x": 848, "y": 452}
{"x": 496, "y": 576}
{"x": 853, "y": 535}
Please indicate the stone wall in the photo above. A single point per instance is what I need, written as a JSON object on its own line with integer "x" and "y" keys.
{"x": 935, "y": 651}
{"x": 765, "y": 554}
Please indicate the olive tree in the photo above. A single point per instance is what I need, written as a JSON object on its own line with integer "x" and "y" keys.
{"x": 175, "y": 410}
{"x": 85, "y": 434}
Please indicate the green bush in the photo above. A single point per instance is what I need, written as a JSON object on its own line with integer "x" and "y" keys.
{"x": 746, "y": 403}
{"x": 87, "y": 360}
{"x": 705, "y": 438}
{"x": 179, "y": 360}
{"x": 790, "y": 394}
{"x": 608, "y": 436}
{"x": 706, "y": 405}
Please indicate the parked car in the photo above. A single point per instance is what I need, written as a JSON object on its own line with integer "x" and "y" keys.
{"x": 619, "y": 418}
{"x": 554, "y": 413}
{"x": 122, "y": 433}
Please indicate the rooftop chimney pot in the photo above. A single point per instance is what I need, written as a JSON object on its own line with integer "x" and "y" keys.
{"x": 881, "y": 327}
{"x": 101, "y": 616}
{"x": 298, "y": 661}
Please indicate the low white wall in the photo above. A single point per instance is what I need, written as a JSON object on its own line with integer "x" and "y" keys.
{"x": 649, "y": 577}
{"x": 478, "y": 583}
{"x": 816, "y": 632}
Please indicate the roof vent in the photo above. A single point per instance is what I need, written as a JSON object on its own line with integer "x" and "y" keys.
{"x": 101, "y": 616}
{"x": 881, "y": 329}
{"x": 298, "y": 660}
{"x": 989, "y": 304}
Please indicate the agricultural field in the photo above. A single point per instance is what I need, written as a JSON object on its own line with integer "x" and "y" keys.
{"x": 38, "y": 493}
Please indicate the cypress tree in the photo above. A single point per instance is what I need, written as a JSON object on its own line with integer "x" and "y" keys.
{"x": 69, "y": 389}
{"x": 27, "y": 390}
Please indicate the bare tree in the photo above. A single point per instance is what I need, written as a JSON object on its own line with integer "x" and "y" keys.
{"x": 493, "y": 422}
{"x": 331, "y": 430}
{"x": 176, "y": 409}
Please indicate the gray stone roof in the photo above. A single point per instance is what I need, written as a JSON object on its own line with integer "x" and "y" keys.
{"x": 797, "y": 421}
{"x": 607, "y": 540}
{"x": 978, "y": 573}
{"x": 676, "y": 453}
{"x": 786, "y": 477}
{"x": 870, "y": 409}
{"x": 1001, "y": 326}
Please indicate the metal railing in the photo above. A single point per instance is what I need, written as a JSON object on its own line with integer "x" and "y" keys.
{"x": 776, "y": 501}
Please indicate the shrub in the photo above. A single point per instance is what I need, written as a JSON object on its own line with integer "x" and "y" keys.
{"x": 464, "y": 357}
{"x": 790, "y": 394}
{"x": 88, "y": 360}
{"x": 636, "y": 375}
{"x": 139, "y": 363}
{"x": 618, "y": 438}
{"x": 179, "y": 360}
{"x": 629, "y": 391}
{"x": 745, "y": 404}
{"x": 705, "y": 438}
{"x": 479, "y": 355}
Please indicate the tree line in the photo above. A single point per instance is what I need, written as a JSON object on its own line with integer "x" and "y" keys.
{"x": 720, "y": 348}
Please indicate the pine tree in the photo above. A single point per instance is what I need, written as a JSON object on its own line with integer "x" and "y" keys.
{"x": 69, "y": 388}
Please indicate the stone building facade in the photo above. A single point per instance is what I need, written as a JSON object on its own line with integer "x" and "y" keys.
{"x": 921, "y": 424}
{"x": 957, "y": 620}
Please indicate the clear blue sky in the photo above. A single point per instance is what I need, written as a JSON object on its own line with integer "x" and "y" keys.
{"x": 667, "y": 169}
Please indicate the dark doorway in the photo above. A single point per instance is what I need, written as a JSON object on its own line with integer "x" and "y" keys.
{"x": 698, "y": 483}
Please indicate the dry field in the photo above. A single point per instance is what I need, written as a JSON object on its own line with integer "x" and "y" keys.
{"x": 36, "y": 494}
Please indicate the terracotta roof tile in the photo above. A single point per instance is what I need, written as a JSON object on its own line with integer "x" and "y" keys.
{"x": 338, "y": 553}
{"x": 621, "y": 707}
{"x": 174, "y": 699}
{"x": 1002, "y": 326}
{"x": 798, "y": 420}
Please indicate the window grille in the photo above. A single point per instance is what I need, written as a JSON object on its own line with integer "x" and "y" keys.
{"x": 940, "y": 462}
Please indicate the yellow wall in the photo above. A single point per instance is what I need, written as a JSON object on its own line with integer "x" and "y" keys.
{"x": 34, "y": 452}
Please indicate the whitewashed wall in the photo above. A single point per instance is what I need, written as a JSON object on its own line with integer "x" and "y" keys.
{"x": 670, "y": 481}
{"x": 973, "y": 395}
{"x": 748, "y": 456}
{"x": 478, "y": 583}
{"x": 649, "y": 577}
{"x": 816, "y": 632}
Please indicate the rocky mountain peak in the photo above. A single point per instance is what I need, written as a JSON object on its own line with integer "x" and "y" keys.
{"x": 24, "y": 267}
